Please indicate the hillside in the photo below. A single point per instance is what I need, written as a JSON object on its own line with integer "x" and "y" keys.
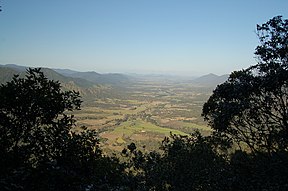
{"x": 8, "y": 71}
{"x": 15, "y": 67}
{"x": 87, "y": 89}
{"x": 112, "y": 79}
{"x": 6, "y": 74}
{"x": 64, "y": 72}
{"x": 82, "y": 79}
{"x": 51, "y": 74}
{"x": 210, "y": 80}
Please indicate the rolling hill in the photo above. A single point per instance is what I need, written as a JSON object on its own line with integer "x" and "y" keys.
{"x": 82, "y": 79}
{"x": 210, "y": 80}
{"x": 8, "y": 71}
{"x": 112, "y": 78}
{"x": 6, "y": 74}
{"x": 87, "y": 88}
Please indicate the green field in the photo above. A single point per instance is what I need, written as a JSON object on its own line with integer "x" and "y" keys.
{"x": 145, "y": 114}
{"x": 139, "y": 126}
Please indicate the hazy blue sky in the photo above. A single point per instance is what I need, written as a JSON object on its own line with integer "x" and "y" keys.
{"x": 175, "y": 36}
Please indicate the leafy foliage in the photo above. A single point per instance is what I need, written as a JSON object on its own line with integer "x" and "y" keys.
{"x": 187, "y": 163}
{"x": 251, "y": 106}
{"x": 259, "y": 172}
{"x": 39, "y": 150}
{"x": 274, "y": 41}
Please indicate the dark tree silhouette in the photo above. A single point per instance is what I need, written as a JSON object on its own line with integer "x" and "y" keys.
{"x": 187, "y": 163}
{"x": 31, "y": 109}
{"x": 250, "y": 108}
{"x": 38, "y": 148}
{"x": 252, "y": 105}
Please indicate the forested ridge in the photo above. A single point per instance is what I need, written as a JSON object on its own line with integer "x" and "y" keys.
{"x": 247, "y": 149}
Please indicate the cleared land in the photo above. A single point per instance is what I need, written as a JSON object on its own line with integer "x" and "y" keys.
{"x": 145, "y": 113}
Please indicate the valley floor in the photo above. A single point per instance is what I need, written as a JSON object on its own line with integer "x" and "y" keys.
{"x": 145, "y": 114}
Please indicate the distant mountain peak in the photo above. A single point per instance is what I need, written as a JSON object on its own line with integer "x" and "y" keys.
{"x": 210, "y": 75}
{"x": 15, "y": 67}
{"x": 210, "y": 80}
{"x": 90, "y": 72}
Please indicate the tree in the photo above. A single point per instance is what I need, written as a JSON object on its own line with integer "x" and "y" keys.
{"x": 186, "y": 163}
{"x": 39, "y": 149}
{"x": 259, "y": 171}
{"x": 29, "y": 107}
{"x": 196, "y": 163}
{"x": 252, "y": 105}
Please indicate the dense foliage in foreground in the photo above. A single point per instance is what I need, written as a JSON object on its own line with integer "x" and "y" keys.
{"x": 40, "y": 151}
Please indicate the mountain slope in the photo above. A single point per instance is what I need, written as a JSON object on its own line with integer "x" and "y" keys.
{"x": 113, "y": 79}
{"x": 210, "y": 80}
{"x": 64, "y": 72}
{"x": 15, "y": 67}
{"x": 87, "y": 89}
{"x": 51, "y": 74}
{"x": 6, "y": 74}
{"x": 83, "y": 79}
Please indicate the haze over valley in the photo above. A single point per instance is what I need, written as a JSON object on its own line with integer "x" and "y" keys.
{"x": 133, "y": 108}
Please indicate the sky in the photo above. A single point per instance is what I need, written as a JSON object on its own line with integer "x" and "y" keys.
{"x": 182, "y": 37}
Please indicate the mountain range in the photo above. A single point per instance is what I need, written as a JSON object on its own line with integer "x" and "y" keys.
{"x": 82, "y": 79}
{"x": 79, "y": 80}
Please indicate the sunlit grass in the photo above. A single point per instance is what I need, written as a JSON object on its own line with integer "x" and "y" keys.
{"x": 139, "y": 126}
